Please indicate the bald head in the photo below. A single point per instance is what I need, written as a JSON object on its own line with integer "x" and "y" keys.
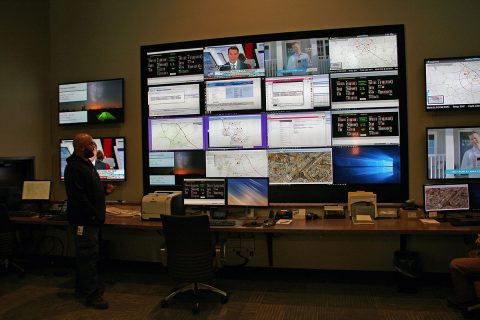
{"x": 83, "y": 145}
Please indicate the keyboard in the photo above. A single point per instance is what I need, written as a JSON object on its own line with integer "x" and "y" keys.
{"x": 21, "y": 213}
{"x": 466, "y": 222}
{"x": 58, "y": 217}
{"x": 221, "y": 223}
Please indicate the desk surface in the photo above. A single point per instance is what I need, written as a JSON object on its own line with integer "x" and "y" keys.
{"x": 395, "y": 226}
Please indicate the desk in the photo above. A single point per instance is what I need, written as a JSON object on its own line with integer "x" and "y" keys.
{"x": 403, "y": 227}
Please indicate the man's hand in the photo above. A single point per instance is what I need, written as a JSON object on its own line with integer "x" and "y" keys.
{"x": 109, "y": 188}
{"x": 477, "y": 242}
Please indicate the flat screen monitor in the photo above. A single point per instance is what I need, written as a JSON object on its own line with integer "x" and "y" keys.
{"x": 446, "y": 197}
{"x": 474, "y": 199}
{"x": 109, "y": 159}
{"x": 236, "y": 131}
{"x": 36, "y": 190}
{"x": 169, "y": 168}
{"x": 175, "y": 133}
{"x": 99, "y": 101}
{"x": 452, "y": 83}
{"x": 453, "y": 153}
{"x": 318, "y": 113}
{"x": 227, "y": 96}
{"x": 247, "y": 192}
{"x": 234, "y": 60}
{"x": 13, "y": 171}
{"x": 204, "y": 192}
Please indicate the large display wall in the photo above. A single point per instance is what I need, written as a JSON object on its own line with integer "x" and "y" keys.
{"x": 318, "y": 113}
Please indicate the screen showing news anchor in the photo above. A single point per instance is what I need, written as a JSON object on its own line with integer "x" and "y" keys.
{"x": 297, "y": 57}
{"x": 108, "y": 159}
{"x": 234, "y": 60}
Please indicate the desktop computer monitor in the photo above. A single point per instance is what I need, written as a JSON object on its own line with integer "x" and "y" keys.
{"x": 446, "y": 198}
{"x": 247, "y": 192}
{"x": 36, "y": 190}
{"x": 204, "y": 192}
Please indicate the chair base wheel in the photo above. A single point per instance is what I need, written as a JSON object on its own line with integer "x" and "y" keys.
{"x": 224, "y": 299}
{"x": 196, "y": 308}
{"x": 164, "y": 303}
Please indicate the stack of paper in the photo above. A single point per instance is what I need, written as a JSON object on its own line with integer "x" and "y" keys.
{"x": 362, "y": 219}
{"x": 429, "y": 221}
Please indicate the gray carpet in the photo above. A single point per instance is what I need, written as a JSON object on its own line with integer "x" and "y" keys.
{"x": 47, "y": 293}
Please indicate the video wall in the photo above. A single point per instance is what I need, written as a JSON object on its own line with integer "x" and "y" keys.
{"x": 318, "y": 113}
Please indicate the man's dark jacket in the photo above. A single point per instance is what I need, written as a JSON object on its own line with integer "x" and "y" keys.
{"x": 85, "y": 192}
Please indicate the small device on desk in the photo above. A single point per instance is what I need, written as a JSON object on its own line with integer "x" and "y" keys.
{"x": 334, "y": 212}
{"x": 161, "y": 202}
{"x": 58, "y": 208}
{"x": 283, "y": 214}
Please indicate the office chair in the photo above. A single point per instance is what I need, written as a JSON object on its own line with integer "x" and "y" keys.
{"x": 7, "y": 242}
{"x": 190, "y": 255}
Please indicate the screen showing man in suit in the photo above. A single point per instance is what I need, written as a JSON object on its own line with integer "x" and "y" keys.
{"x": 233, "y": 62}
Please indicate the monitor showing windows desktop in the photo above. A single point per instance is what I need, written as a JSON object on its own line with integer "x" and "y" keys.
{"x": 453, "y": 153}
{"x": 446, "y": 198}
{"x": 110, "y": 168}
{"x": 318, "y": 113}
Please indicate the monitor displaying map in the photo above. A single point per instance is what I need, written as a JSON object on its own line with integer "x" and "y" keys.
{"x": 452, "y": 84}
{"x": 175, "y": 134}
{"x": 446, "y": 197}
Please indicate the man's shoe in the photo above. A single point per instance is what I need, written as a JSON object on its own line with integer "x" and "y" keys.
{"x": 464, "y": 306}
{"x": 97, "y": 303}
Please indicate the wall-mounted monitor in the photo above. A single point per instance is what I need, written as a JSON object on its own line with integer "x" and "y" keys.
{"x": 87, "y": 102}
{"x": 452, "y": 83}
{"x": 446, "y": 197}
{"x": 318, "y": 113}
{"x": 109, "y": 159}
{"x": 453, "y": 153}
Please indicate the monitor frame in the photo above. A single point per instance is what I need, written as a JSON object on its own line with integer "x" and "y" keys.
{"x": 459, "y": 179}
{"x": 205, "y": 203}
{"x": 36, "y": 184}
{"x": 228, "y": 192}
{"x": 122, "y": 112}
{"x": 448, "y": 210}
{"x": 61, "y": 178}
{"x": 280, "y": 194}
{"x": 448, "y": 107}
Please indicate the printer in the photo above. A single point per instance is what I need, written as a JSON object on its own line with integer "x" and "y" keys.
{"x": 161, "y": 202}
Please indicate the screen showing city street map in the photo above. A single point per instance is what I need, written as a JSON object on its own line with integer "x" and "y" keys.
{"x": 314, "y": 114}
{"x": 452, "y": 83}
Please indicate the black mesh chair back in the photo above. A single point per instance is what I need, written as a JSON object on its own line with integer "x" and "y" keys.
{"x": 190, "y": 250}
{"x": 190, "y": 255}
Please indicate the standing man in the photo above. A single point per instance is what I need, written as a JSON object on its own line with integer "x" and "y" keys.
{"x": 233, "y": 62}
{"x": 86, "y": 215}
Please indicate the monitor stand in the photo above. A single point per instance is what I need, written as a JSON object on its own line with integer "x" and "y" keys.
{"x": 444, "y": 218}
{"x": 250, "y": 213}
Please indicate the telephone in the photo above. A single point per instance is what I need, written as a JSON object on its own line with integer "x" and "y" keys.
{"x": 409, "y": 205}
{"x": 58, "y": 208}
